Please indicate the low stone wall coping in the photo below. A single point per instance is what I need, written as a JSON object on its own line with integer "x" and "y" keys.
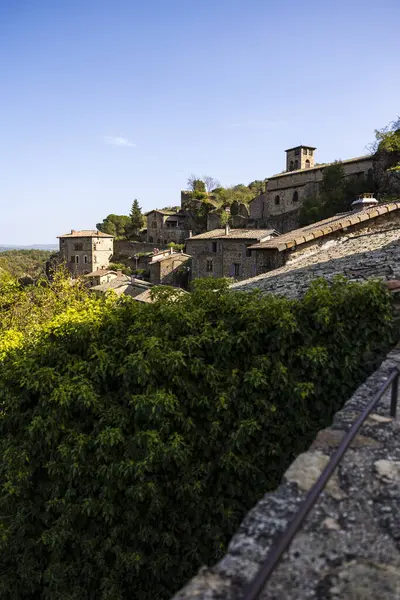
{"x": 349, "y": 546}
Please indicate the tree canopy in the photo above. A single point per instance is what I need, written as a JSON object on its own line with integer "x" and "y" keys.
{"x": 116, "y": 225}
{"x": 134, "y": 437}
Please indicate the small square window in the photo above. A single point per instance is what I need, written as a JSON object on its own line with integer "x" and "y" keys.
{"x": 214, "y": 246}
{"x": 78, "y": 247}
{"x": 209, "y": 266}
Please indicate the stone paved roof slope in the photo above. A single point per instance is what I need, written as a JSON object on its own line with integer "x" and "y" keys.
{"x": 85, "y": 233}
{"x": 357, "y": 256}
{"x": 317, "y": 230}
{"x": 349, "y": 546}
{"x": 217, "y": 234}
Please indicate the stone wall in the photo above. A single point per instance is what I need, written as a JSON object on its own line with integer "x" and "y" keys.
{"x": 286, "y": 192}
{"x": 165, "y": 271}
{"x": 128, "y": 248}
{"x": 349, "y": 547}
{"x": 229, "y": 252}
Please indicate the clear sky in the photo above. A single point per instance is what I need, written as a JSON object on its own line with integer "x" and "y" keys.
{"x": 102, "y": 101}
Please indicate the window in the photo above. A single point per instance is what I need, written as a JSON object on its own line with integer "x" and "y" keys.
{"x": 248, "y": 251}
{"x": 307, "y": 163}
{"x": 154, "y": 224}
{"x": 85, "y": 260}
{"x": 150, "y": 239}
{"x": 209, "y": 266}
{"x": 76, "y": 259}
{"x": 236, "y": 269}
{"x": 78, "y": 247}
{"x": 72, "y": 259}
{"x": 296, "y": 164}
{"x": 95, "y": 259}
{"x": 297, "y": 152}
{"x": 305, "y": 151}
{"x": 214, "y": 246}
{"x": 295, "y": 196}
{"x": 291, "y": 167}
{"x": 277, "y": 200}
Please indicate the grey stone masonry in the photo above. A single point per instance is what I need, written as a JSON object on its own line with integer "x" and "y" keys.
{"x": 358, "y": 256}
{"x": 349, "y": 546}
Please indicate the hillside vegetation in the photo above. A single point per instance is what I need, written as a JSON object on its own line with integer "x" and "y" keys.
{"x": 134, "y": 437}
{"x": 24, "y": 262}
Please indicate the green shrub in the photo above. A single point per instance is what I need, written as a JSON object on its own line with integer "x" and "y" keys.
{"x": 135, "y": 437}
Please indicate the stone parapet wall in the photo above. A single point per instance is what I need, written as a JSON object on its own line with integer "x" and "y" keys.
{"x": 349, "y": 546}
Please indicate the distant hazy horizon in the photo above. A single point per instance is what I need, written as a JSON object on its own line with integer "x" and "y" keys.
{"x": 5, "y": 247}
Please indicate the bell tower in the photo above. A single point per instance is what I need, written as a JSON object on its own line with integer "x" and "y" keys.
{"x": 300, "y": 157}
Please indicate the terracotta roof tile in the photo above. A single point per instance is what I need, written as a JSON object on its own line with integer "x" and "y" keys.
{"x": 85, "y": 233}
{"x": 216, "y": 234}
{"x": 325, "y": 227}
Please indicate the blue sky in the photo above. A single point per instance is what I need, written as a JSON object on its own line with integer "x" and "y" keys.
{"x": 104, "y": 101}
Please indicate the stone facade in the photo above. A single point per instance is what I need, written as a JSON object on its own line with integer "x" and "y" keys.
{"x": 86, "y": 251}
{"x": 167, "y": 226}
{"x": 164, "y": 267}
{"x": 348, "y": 548}
{"x": 286, "y": 191}
{"x": 101, "y": 276}
{"x": 224, "y": 252}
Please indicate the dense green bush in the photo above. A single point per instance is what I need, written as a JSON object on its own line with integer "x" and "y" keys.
{"x": 134, "y": 437}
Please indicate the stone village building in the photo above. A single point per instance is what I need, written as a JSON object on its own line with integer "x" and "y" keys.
{"x": 279, "y": 206}
{"x": 164, "y": 226}
{"x": 86, "y": 251}
{"x": 168, "y": 267}
{"x": 225, "y": 252}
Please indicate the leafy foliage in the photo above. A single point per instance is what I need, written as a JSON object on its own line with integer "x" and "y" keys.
{"x": 137, "y": 220}
{"x": 117, "y": 225}
{"x": 134, "y": 437}
{"x": 24, "y": 262}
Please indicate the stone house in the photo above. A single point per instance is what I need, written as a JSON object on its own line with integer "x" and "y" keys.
{"x": 225, "y": 252}
{"x": 86, "y": 251}
{"x": 123, "y": 285}
{"x": 101, "y": 276}
{"x": 307, "y": 241}
{"x": 167, "y": 267}
{"x": 279, "y": 205}
{"x": 164, "y": 226}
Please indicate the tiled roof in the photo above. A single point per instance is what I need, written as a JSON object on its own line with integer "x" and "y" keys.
{"x": 321, "y": 228}
{"x": 85, "y": 233}
{"x": 217, "y": 234}
{"x": 157, "y": 258}
{"x": 319, "y": 166}
{"x": 163, "y": 212}
{"x": 100, "y": 272}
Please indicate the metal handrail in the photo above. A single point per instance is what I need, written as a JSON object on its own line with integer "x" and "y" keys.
{"x": 277, "y": 550}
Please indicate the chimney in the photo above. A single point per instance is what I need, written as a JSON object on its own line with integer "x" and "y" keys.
{"x": 190, "y": 233}
{"x": 364, "y": 201}
{"x": 171, "y": 251}
{"x": 73, "y": 231}
{"x": 227, "y": 229}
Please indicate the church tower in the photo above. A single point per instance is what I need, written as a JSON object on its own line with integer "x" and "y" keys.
{"x": 300, "y": 157}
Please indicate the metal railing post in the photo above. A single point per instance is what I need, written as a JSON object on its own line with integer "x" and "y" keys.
{"x": 282, "y": 543}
